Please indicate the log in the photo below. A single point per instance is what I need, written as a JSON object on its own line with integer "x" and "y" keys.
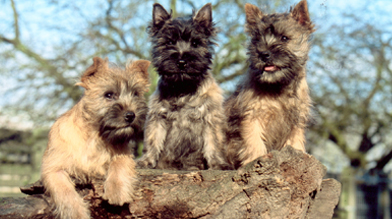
{"x": 281, "y": 184}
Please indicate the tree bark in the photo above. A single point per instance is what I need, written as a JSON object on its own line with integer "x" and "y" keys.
{"x": 281, "y": 184}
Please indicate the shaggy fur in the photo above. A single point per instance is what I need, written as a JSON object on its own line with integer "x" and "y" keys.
{"x": 185, "y": 119}
{"x": 92, "y": 139}
{"x": 271, "y": 107}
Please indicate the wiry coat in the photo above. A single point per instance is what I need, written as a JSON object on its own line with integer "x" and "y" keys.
{"x": 271, "y": 107}
{"x": 184, "y": 126}
{"x": 92, "y": 139}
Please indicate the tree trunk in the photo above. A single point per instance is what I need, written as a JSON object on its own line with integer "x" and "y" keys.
{"x": 285, "y": 184}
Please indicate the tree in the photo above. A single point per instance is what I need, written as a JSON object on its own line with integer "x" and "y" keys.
{"x": 284, "y": 184}
{"x": 351, "y": 81}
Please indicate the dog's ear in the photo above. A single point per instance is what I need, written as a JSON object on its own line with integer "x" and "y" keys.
{"x": 301, "y": 14}
{"x": 100, "y": 65}
{"x": 204, "y": 16}
{"x": 253, "y": 18}
{"x": 159, "y": 15}
{"x": 140, "y": 68}
{"x": 253, "y": 14}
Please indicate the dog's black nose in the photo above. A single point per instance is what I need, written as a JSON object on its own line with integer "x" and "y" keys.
{"x": 265, "y": 55}
{"x": 181, "y": 64}
{"x": 129, "y": 116}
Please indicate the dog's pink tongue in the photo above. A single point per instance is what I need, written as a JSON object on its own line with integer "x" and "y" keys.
{"x": 270, "y": 68}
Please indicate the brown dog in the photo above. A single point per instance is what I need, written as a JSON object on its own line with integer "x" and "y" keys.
{"x": 271, "y": 107}
{"x": 92, "y": 139}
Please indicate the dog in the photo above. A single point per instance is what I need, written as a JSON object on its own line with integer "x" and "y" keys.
{"x": 94, "y": 138}
{"x": 184, "y": 125}
{"x": 270, "y": 108}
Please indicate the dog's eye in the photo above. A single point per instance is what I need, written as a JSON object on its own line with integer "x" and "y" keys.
{"x": 195, "y": 43}
{"x": 285, "y": 38}
{"x": 109, "y": 95}
{"x": 136, "y": 93}
{"x": 170, "y": 42}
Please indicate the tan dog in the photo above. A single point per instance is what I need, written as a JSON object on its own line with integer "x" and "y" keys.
{"x": 93, "y": 139}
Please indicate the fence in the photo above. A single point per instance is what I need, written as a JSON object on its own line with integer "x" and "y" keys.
{"x": 20, "y": 156}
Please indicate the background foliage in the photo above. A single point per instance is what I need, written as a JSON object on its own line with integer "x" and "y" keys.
{"x": 46, "y": 44}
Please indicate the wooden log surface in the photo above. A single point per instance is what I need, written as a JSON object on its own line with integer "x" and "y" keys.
{"x": 281, "y": 184}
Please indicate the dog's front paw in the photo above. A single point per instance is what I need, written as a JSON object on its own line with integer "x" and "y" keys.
{"x": 74, "y": 210}
{"x": 118, "y": 193}
{"x": 144, "y": 163}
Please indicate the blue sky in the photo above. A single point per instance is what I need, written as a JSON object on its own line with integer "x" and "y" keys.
{"x": 36, "y": 13}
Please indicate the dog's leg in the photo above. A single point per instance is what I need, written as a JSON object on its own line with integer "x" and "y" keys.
{"x": 69, "y": 204}
{"x": 213, "y": 150}
{"x": 154, "y": 139}
{"x": 254, "y": 146}
{"x": 119, "y": 184}
{"x": 297, "y": 139}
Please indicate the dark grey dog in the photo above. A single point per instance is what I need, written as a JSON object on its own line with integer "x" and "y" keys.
{"x": 185, "y": 119}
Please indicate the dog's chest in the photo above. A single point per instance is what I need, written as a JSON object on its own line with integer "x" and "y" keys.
{"x": 185, "y": 113}
{"x": 186, "y": 124}
{"x": 95, "y": 160}
{"x": 274, "y": 119}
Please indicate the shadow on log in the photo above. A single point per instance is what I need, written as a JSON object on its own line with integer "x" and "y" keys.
{"x": 284, "y": 184}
